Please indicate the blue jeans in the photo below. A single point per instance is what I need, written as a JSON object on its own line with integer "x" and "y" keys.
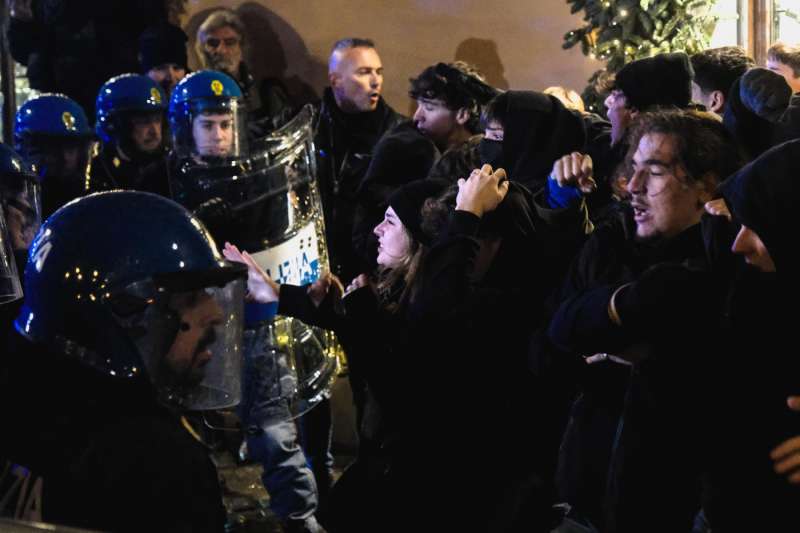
{"x": 270, "y": 433}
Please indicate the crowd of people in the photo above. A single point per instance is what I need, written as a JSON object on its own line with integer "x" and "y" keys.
{"x": 553, "y": 321}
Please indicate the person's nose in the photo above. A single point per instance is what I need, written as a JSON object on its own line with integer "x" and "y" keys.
{"x": 636, "y": 183}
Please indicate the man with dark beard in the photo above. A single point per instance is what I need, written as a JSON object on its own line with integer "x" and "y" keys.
{"x": 130, "y": 123}
{"x": 108, "y": 353}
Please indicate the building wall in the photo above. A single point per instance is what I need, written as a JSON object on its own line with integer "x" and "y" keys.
{"x": 516, "y": 43}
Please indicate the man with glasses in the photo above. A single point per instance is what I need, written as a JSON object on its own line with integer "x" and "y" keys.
{"x": 221, "y": 45}
{"x": 628, "y": 305}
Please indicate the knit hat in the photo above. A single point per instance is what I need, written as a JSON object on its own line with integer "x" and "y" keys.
{"x": 661, "y": 80}
{"x": 160, "y": 44}
{"x": 407, "y": 202}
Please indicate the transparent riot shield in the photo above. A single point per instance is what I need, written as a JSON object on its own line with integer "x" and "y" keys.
{"x": 280, "y": 222}
{"x": 10, "y": 286}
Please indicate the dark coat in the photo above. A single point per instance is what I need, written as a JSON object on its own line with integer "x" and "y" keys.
{"x": 344, "y": 144}
{"x": 109, "y": 457}
{"x": 761, "y": 367}
{"x": 538, "y": 131}
{"x": 485, "y": 410}
{"x": 626, "y": 463}
{"x": 109, "y": 172}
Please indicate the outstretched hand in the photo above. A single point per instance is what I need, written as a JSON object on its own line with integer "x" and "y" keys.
{"x": 482, "y": 191}
{"x": 261, "y": 288}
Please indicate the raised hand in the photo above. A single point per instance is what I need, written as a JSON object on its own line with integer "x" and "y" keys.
{"x": 482, "y": 191}
{"x": 261, "y": 288}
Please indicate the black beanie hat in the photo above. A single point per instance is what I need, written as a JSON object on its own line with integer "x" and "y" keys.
{"x": 164, "y": 43}
{"x": 407, "y": 202}
{"x": 661, "y": 80}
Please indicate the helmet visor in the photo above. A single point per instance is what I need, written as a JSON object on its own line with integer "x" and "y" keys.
{"x": 10, "y": 286}
{"x": 23, "y": 210}
{"x": 212, "y": 129}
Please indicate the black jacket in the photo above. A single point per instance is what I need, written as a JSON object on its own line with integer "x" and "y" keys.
{"x": 743, "y": 491}
{"x": 538, "y": 131}
{"x": 110, "y": 171}
{"x": 626, "y": 462}
{"x": 344, "y": 143}
{"x": 489, "y": 411}
{"x": 107, "y": 455}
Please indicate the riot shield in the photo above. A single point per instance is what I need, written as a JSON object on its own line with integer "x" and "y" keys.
{"x": 280, "y": 221}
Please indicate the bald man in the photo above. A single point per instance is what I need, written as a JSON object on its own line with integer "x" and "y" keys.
{"x": 353, "y": 117}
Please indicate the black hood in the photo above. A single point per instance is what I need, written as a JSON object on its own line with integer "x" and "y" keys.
{"x": 538, "y": 130}
{"x": 762, "y": 197}
{"x": 755, "y": 132}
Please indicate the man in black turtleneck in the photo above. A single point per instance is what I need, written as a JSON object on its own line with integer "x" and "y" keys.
{"x": 352, "y": 118}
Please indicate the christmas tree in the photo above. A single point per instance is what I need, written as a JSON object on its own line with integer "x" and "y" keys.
{"x": 619, "y": 31}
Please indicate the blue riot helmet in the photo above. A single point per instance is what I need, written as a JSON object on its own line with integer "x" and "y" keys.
{"x": 148, "y": 295}
{"x": 207, "y": 116}
{"x": 52, "y": 132}
{"x": 126, "y": 102}
{"x": 20, "y": 195}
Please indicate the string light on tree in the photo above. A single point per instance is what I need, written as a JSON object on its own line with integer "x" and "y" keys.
{"x": 636, "y": 29}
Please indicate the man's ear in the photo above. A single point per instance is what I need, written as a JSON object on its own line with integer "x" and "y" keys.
{"x": 462, "y": 116}
{"x": 717, "y": 102}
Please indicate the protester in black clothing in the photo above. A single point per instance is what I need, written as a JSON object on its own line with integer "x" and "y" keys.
{"x": 162, "y": 55}
{"x": 131, "y": 118}
{"x": 450, "y": 99}
{"x": 526, "y": 132}
{"x": 403, "y": 155}
{"x": 108, "y": 352}
{"x": 755, "y": 355}
{"x": 370, "y": 320}
{"x": 715, "y": 70}
{"x": 618, "y": 299}
{"x": 482, "y": 292}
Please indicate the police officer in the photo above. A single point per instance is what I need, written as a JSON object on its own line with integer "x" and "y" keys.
{"x": 244, "y": 201}
{"x": 21, "y": 206}
{"x": 131, "y": 111}
{"x": 108, "y": 352}
{"x": 52, "y": 132}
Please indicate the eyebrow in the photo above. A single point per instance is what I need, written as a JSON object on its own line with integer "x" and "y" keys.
{"x": 657, "y": 162}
